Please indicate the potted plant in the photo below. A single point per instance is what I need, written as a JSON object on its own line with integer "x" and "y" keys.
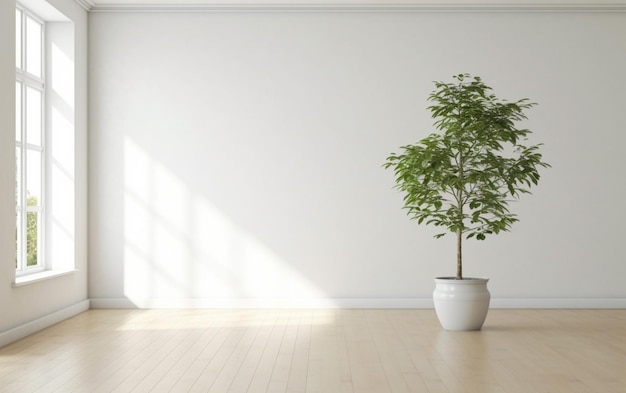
{"x": 462, "y": 179}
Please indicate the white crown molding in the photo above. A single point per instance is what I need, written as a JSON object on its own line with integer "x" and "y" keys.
{"x": 86, "y": 4}
{"x": 210, "y": 6}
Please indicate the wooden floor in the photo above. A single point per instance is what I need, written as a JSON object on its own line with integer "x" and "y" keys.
{"x": 328, "y": 351}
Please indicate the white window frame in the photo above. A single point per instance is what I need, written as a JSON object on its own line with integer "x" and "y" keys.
{"x": 27, "y": 81}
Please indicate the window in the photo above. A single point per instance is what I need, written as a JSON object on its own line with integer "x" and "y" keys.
{"x": 45, "y": 138}
{"x": 30, "y": 89}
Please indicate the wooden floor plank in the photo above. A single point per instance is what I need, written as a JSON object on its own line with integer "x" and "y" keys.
{"x": 263, "y": 372}
{"x": 299, "y": 368}
{"x": 329, "y": 366}
{"x": 280, "y": 373}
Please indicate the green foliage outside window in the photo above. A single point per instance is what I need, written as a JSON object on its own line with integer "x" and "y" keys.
{"x": 31, "y": 233}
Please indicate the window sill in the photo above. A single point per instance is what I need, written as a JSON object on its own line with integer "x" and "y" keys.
{"x": 41, "y": 276}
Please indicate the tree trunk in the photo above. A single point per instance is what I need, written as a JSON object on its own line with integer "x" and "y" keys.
{"x": 459, "y": 254}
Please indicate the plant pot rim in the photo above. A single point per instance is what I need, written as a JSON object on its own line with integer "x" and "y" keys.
{"x": 464, "y": 280}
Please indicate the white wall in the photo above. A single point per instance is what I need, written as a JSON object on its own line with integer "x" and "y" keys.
{"x": 235, "y": 157}
{"x": 26, "y": 308}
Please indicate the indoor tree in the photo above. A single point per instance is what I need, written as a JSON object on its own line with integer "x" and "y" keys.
{"x": 463, "y": 176}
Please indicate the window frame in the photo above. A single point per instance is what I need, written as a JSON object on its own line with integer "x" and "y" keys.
{"x": 28, "y": 81}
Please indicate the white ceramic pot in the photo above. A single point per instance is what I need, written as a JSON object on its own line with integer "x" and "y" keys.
{"x": 461, "y": 304}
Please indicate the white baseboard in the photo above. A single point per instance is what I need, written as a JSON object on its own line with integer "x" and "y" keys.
{"x": 618, "y": 303}
{"x": 41, "y": 323}
{"x": 260, "y": 303}
{"x": 111, "y": 303}
{"x": 559, "y": 303}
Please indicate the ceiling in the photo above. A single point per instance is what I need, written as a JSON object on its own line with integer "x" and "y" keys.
{"x": 400, "y": 5}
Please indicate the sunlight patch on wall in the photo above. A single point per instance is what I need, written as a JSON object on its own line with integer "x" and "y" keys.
{"x": 182, "y": 251}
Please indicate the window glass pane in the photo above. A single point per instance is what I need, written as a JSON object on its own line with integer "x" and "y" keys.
{"x": 33, "y": 116}
{"x": 33, "y": 178}
{"x": 18, "y": 111}
{"x": 33, "y": 47}
{"x": 18, "y": 239}
{"x": 32, "y": 236}
{"x": 18, "y": 38}
{"x": 18, "y": 177}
